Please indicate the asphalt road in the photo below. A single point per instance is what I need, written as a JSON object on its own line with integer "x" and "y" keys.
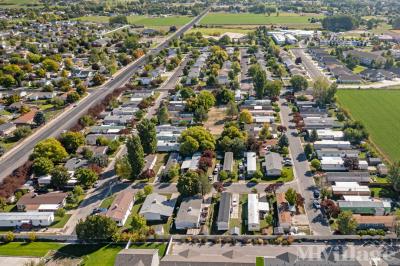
{"x": 318, "y": 223}
{"x": 308, "y": 64}
{"x": 19, "y": 155}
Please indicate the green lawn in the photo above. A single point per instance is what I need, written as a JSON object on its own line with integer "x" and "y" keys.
{"x": 143, "y": 20}
{"x": 106, "y": 203}
{"x": 379, "y": 111}
{"x": 36, "y": 249}
{"x": 59, "y": 222}
{"x": 92, "y": 255}
{"x": 259, "y": 261}
{"x": 358, "y": 69}
{"x": 256, "y": 19}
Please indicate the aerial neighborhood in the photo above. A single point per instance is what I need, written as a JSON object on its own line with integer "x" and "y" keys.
{"x": 199, "y": 133}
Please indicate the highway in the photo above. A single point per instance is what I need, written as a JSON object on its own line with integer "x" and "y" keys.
{"x": 20, "y": 154}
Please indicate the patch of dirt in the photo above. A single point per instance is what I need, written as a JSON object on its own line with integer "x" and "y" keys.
{"x": 216, "y": 120}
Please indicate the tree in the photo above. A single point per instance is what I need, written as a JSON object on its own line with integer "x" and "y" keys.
{"x": 264, "y": 132}
{"x": 196, "y": 139}
{"x": 273, "y": 88}
{"x": 187, "y": 93}
{"x": 396, "y": 23}
{"x": 73, "y": 97}
{"x": 205, "y": 99}
{"x": 232, "y": 109}
{"x": 119, "y": 19}
{"x": 50, "y": 148}
{"x": 123, "y": 168}
{"x": 313, "y": 136}
{"x": 330, "y": 208}
{"x": 98, "y": 79}
{"x": 50, "y": 65}
{"x": 394, "y": 176}
{"x": 200, "y": 114}
{"x": 95, "y": 228}
{"x": 86, "y": 177}
{"x": 138, "y": 223}
{"x": 39, "y": 118}
{"x": 291, "y": 196}
{"x": 259, "y": 81}
{"x": 323, "y": 92}
{"x": 59, "y": 176}
{"x": 59, "y": 212}
{"x": 72, "y": 140}
{"x": 283, "y": 141}
{"x": 9, "y": 237}
{"x": 42, "y": 166}
{"x": 316, "y": 164}
{"x": 308, "y": 150}
{"x": 298, "y": 83}
{"x": 22, "y": 132}
{"x": 147, "y": 133}
{"x": 351, "y": 163}
{"x": 135, "y": 156}
{"x": 189, "y": 184}
{"x": 245, "y": 117}
{"x": 338, "y": 23}
{"x": 148, "y": 189}
{"x": 224, "y": 96}
{"x": 78, "y": 191}
{"x": 204, "y": 183}
{"x": 347, "y": 225}
{"x": 163, "y": 115}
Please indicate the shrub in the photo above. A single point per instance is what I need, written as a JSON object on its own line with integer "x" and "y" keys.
{"x": 32, "y": 237}
{"x": 9, "y": 237}
{"x": 60, "y": 212}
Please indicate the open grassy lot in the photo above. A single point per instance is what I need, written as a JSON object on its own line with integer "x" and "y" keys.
{"x": 256, "y": 19}
{"x": 36, "y": 249}
{"x": 90, "y": 254}
{"x": 379, "y": 111}
{"x": 143, "y": 20}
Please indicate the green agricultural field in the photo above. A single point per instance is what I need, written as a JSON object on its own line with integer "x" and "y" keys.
{"x": 379, "y": 111}
{"x": 143, "y": 20}
{"x": 219, "y": 31}
{"x": 256, "y": 19}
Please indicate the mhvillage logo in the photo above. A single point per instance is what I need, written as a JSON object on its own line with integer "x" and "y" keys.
{"x": 366, "y": 252}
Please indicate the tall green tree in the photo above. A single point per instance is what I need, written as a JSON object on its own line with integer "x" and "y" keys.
{"x": 42, "y": 166}
{"x": 72, "y": 140}
{"x": 59, "y": 176}
{"x": 147, "y": 133}
{"x": 163, "y": 115}
{"x": 394, "y": 176}
{"x": 291, "y": 196}
{"x": 189, "y": 184}
{"x": 298, "y": 83}
{"x": 50, "y": 148}
{"x": 39, "y": 118}
{"x": 347, "y": 225}
{"x": 135, "y": 156}
{"x": 96, "y": 228}
{"x": 123, "y": 168}
{"x": 86, "y": 177}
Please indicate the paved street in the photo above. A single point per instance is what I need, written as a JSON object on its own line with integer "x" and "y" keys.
{"x": 306, "y": 184}
{"x": 308, "y": 64}
{"x": 19, "y": 155}
{"x": 246, "y": 83}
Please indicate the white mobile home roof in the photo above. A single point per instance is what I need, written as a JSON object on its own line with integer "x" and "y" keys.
{"x": 325, "y": 133}
{"x": 253, "y": 216}
{"x": 251, "y": 161}
{"x": 332, "y": 160}
{"x": 357, "y": 198}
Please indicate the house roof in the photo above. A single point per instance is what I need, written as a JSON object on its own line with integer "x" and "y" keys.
{"x": 228, "y": 161}
{"x": 156, "y": 203}
{"x": 6, "y": 126}
{"x": 388, "y": 221}
{"x": 189, "y": 210}
{"x": 26, "y": 118}
{"x": 33, "y": 201}
{"x": 224, "y": 207}
{"x": 273, "y": 161}
{"x": 120, "y": 205}
{"x": 358, "y": 176}
{"x": 136, "y": 257}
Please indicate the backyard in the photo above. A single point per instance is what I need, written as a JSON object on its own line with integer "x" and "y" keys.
{"x": 379, "y": 111}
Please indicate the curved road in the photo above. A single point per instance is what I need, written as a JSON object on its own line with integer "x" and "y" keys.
{"x": 20, "y": 154}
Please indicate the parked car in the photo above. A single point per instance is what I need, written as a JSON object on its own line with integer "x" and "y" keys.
{"x": 316, "y": 194}
{"x": 316, "y": 204}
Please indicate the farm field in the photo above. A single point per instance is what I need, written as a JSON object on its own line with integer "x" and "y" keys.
{"x": 379, "y": 111}
{"x": 219, "y": 31}
{"x": 143, "y": 20}
{"x": 257, "y": 19}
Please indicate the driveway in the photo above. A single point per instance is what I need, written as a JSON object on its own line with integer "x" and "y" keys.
{"x": 318, "y": 223}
